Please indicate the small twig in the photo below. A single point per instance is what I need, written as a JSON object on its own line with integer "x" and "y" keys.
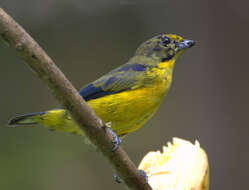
{"x": 37, "y": 59}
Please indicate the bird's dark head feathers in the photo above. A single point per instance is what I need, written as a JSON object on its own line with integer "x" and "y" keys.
{"x": 164, "y": 47}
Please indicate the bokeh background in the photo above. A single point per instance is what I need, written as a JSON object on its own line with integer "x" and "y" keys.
{"x": 208, "y": 100}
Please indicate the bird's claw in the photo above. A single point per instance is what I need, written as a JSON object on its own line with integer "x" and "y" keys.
{"x": 116, "y": 140}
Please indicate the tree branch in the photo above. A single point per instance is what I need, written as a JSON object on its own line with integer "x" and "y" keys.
{"x": 94, "y": 128}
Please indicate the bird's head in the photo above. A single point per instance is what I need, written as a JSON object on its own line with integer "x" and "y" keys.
{"x": 164, "y": 47}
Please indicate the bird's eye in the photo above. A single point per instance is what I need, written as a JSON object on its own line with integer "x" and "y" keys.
{"x": 165, "y": 41}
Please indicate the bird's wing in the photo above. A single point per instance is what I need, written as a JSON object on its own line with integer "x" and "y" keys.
{"x": 126, "y": 77}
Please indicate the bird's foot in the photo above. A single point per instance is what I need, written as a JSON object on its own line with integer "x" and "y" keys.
{"x": 144, "y": 175}
{"x": 116, "y": 140}
{"x": 118, "y": 180}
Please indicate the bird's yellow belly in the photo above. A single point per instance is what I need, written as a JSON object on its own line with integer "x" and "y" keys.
{"x": 127, "y": 111}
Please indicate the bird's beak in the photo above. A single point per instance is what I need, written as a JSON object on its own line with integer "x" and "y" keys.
{"x": 184, "y": 44}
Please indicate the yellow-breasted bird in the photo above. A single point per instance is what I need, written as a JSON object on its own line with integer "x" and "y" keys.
{"x": 126, "y": 97}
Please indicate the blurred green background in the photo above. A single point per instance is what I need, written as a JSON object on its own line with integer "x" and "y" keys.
{"x": 208, "y": 100}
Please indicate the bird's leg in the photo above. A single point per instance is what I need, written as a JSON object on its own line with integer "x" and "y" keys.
{"x": 116, "y": 140}
{"x": 108, "y": 124}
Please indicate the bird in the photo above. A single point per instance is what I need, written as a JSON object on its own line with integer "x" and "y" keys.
{"x": 126, "y": 97}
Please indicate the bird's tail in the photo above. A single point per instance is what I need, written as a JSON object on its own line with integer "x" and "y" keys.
{"x": 55, "y": 120}
{"x": 25, "y": 120}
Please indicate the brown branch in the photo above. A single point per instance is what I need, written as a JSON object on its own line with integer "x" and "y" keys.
{"x": 37, "y": 59}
